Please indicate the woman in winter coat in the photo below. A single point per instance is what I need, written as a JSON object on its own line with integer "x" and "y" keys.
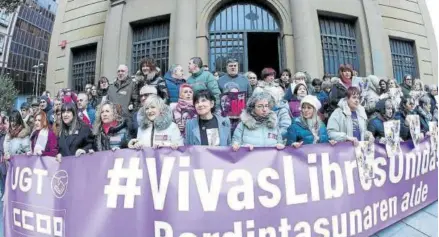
{"x": 285, "y": 79}
{"x": 75, "y": 137}
{"x": 407, "y": 108}
{"x": 207, "y": 128}
{"x": 149, "y": 75}
{"x": 259, "y": 125}
{"x": 340, "y": 87}
{"x": 384, "y": 112}
{"x": 424, "y": 112}
{"x": 156, "y": 128}
{"x": 103, "y": 86}
{"x": 184, "y": 109}
{"x": 349, "y": 121}
{"x": 269, "y": 85}
{"x": 94, "y": 99}
{"x": 308, "y": 128}
{"x": 298, "y": 78}
{"x": 17, "y": 140}
{"x": 46, "y": 107}
{"x": 109, "y": 129}
{"x": 283, "y": 113}
{"x": 43, "y": 141}
{"x": 384, "y": 86}
{"x": 371, "y": 96}
{"x": 300, "y": 91}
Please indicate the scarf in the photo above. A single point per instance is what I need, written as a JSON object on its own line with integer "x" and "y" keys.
{"x": 107, "y": 126}
{"x": 184, "y": 104}
{"x": 260, "y": 119}
{"x": 14, "y": 132}
{"x": 43, "y": 137}
{"x": 346, "y": 82}
{"x": 426, "y": 114}
{"x": 313, "y": 126}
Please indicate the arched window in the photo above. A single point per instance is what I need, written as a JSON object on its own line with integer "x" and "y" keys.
{"x": 233, "y": 28}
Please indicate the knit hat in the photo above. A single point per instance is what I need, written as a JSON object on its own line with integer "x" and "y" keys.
{"x": 24, "y": 105}
{"x": 312, "y": 100}
{"x": 147, "y": 89}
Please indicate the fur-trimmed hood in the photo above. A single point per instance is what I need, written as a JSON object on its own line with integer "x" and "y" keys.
{"x": 140, "y": 77}
{"x": 373, "y": 83}
{"x": 25, "y": 131}
{"x": 250, "y": 122}
{"x": 161, "y": 122}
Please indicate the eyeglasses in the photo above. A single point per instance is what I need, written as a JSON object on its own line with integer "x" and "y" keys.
{"x": 262, "y": 106}
{"x": 103, "y": 82}
{"x": 252, "y": 78}
{"x": 120, "y": 70}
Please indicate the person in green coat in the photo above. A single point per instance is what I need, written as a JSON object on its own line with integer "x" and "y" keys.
{"x": 203, "y": 80}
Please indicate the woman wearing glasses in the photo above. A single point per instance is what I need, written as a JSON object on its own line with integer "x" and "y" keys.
{"x": 259, "y": 124}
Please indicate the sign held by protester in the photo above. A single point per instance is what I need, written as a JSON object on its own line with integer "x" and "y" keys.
{"x": 232, "y": 104}
{"x": 185, "y": 192}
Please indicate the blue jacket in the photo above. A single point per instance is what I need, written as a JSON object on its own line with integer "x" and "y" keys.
{"x": 322, "y": 96}
{"x": 193, "y": 137}
{"x": 283, "y": 113}
{"x": 376, "y": 126}
{"x": 299, "y": 131}
{"x": 173, "y": 86}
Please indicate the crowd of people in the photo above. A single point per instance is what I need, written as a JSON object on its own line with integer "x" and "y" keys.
{"x": 151, "y": 110}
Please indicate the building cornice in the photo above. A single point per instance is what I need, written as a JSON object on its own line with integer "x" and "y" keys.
{"x": 117, "y": 2}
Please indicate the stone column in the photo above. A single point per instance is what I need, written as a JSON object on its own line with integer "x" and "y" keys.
{"x": 185, "y": 37}
{"x": 111, "y": 43}
{"x": 379, "y": 40}
{"x": 307, "y": 49}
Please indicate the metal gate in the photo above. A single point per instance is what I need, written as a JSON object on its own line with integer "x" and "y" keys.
{"x": 151, "y": 40}
{"x": 228, "y": 33}
{"x": 339, "y": 44}
{"x": 83, "y": 67}
{"x": 403, "y": 58}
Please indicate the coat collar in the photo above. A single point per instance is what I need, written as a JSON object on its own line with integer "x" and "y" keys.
{"x": 343, "y": 105}
{"x": 221, "y": 124}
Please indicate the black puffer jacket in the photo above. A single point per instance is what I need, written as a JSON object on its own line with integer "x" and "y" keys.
{"x": 337, "y": 93}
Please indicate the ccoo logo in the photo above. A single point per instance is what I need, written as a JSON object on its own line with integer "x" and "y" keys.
{"x": 59, "y": 183}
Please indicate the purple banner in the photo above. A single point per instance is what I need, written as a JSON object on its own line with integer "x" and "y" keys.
{"x": 201, "y": 191}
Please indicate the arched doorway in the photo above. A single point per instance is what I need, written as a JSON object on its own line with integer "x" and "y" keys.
{"x": 247, "y": 32}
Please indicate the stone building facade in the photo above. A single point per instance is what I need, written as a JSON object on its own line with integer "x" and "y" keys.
{"x": 383, "y": 37}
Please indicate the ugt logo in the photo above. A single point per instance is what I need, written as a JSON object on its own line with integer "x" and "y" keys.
{"x": 59, "y": 183}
